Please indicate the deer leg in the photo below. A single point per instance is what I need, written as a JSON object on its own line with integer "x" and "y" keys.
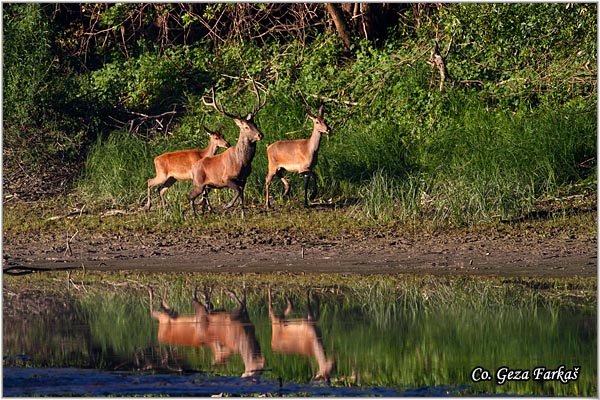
{"x": 151, "y": 183}
{"x": 149, "y": 201}
{"x": 206, "y": 200}
{"x": 239, "y": 193}
{"x": 286, "y": 184}
{"x": 306, "y": 182}
{"x": 267, "y": 185}
{"x": 168, "y": 183}
{"x": 314, "y": 192}
{"x": 196, "y": 190}
{"x": 221, "y": 352}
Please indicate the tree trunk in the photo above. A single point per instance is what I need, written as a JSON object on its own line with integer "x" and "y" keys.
{"x": 340, "y": 24}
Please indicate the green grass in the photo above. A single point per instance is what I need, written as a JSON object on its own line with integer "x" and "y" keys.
{"x": 566, "y": 215}
{"x": 405, "y": 155}
{"x": 482, "y": 168}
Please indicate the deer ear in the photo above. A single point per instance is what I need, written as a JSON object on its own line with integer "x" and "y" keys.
{"x": 321, "y": 110}
{"x": 207, "y": 130}
{"x": 249, "y": 117}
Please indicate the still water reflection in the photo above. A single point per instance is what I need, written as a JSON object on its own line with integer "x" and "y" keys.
{"x": 332, "y": 344}
{"x": 224, "y": 333}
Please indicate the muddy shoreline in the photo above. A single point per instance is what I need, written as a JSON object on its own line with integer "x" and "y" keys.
{"x": 510, "y": 252}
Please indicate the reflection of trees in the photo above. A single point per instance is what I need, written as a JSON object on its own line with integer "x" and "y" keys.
{"x": 36, "y": 325}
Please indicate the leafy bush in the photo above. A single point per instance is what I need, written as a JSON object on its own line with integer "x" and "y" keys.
{"x": 515, "y": 121}
{"x": 47, "y": 119}
{"x": 154, "y": 80}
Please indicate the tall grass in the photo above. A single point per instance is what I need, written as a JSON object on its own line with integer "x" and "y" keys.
{"x": 399, "y": 151}
{"x": 116, "y": 170}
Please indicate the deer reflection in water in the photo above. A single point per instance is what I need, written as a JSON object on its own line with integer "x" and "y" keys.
{"x": 299, "y": 336}
{"x": 225, "y": 333}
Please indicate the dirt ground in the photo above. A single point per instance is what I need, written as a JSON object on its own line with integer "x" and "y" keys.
{"x": 501, "y": 252}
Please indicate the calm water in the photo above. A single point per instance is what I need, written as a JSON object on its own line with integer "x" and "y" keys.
{"x": 330, "y": 345}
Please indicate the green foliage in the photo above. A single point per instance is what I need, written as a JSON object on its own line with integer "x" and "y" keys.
{"x": 515, "y": 121}
{"x": 47, "y": 119}
{"x": 116, "y": 171}
{"x": 518, "y": 52}
{"x": 154, "y": 81}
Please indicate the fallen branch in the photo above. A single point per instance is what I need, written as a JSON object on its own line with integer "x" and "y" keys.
{"x": 69, "y": 241}
{"x": 78, "y": 213}
{"x": 110, "y": 213}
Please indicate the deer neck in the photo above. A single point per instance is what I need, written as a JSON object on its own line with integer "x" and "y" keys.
{"x": 245, "y": 150}
{"x": 314, "y": 141}
{"x": 210, "y": 150}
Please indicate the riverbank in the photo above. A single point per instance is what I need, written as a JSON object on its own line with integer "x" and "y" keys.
{"x": 316, "y": 240}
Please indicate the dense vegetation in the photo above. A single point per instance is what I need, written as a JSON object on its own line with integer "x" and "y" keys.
{"x": 92, "y": 92}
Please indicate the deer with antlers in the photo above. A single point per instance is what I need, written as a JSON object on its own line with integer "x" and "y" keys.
{"x": 232, "y": 167}
{"x": 299, "y": 156}
{"x": 177, "y": 165}
{"x": 225, "y": 333}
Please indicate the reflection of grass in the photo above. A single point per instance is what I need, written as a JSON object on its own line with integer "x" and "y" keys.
{"x": 404, "y": 291}
{"x": 403, "y": 331}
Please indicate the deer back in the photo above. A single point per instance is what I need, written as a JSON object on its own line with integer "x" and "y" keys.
{"x": 178, "y": 164}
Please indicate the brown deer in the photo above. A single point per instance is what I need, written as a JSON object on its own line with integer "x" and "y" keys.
{"x": 225, "y": 333}
{"x": 177, "y": 165}
{"x": 299, "y": 156}
{"x": 299, "y": 336}
{"x": 232, "y": 167}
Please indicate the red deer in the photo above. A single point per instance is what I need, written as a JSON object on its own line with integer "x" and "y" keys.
{"x": 225, "y": 333}
{"x": 299, "y": 156}
{"x": 232, "y": 167}
{"x": 299, "y": 336}
{"x": 177, "y": 165}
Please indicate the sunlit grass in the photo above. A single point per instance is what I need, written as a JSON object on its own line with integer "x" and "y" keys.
{"x": 408, "y": 154}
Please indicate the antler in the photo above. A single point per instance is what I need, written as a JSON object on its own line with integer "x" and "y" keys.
{"x": 218, "y": 107}
{"x": 259, "y": 105}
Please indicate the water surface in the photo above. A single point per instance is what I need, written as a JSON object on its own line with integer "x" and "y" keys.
{"x": 333, "y": 343}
